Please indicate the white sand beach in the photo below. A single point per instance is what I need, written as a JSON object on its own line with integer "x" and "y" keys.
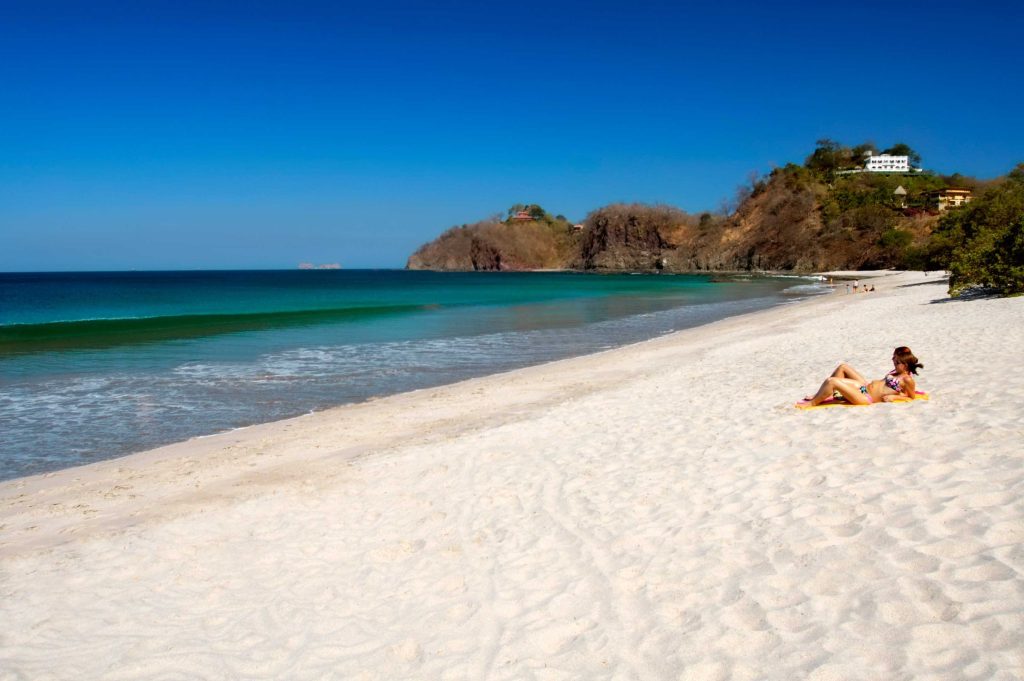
{"x": 659, "y": 511}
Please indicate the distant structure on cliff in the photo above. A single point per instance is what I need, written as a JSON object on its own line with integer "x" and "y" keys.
{"x": 953, "y": 197}
{"x": 523, "y": 216}
{"x": 901, "y": 196}
{"x": 326, "y": 266}
{"x": 884, "y": 163}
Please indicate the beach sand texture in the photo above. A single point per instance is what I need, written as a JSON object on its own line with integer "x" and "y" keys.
{"x": 659, "y": 511}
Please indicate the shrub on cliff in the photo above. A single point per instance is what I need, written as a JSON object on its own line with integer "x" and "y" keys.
{"x": 829, "y": 156}
{"x": 982, "y": 244}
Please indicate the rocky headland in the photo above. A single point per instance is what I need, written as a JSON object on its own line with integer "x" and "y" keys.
{"x": 811, "y": 217}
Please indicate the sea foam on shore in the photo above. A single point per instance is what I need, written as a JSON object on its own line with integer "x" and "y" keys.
{"x": 98, "y": 365}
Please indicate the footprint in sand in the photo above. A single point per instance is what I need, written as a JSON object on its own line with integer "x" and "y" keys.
{"x": 396, "y": 552}
{"x": 408, "y": 651}
{"x": 990, "y": 570}
{"x": 705, "y": 671}
{"x": 555, "y": 639}
{"x": 1005, "y": 533}
{"x": 746, "y": 614}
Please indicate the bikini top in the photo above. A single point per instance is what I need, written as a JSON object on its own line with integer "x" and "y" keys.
{"x": 893, "y": 381}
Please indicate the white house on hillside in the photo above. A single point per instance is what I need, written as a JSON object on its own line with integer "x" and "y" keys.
{"x": 884, "y": 163}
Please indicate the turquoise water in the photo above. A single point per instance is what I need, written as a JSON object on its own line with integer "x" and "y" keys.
{"x": 96, "y": 365}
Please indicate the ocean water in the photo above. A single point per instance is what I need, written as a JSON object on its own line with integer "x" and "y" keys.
{"x": 97, "y": 365}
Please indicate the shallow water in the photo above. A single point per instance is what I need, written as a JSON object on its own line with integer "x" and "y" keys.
{"x": 97, "y": 365}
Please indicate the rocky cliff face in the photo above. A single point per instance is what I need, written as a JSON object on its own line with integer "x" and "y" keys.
{"x": 784, "y": 224}
{"x": 628, "y": 237}
{"x": 778, "y": 228}
{"x": 493, "y": 245}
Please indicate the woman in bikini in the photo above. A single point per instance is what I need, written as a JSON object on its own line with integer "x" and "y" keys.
{"x": 898, "y": 383}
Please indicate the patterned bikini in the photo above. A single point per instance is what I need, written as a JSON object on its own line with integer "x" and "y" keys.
{"x": 891, "y": 380}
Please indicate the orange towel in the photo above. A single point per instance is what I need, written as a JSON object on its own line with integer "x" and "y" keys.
{"x": 833, "y": 402}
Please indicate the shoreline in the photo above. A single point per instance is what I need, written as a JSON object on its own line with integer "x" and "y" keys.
{"x": 89, "y": 478}
{"x": 66, "y": 448}
{"x": 658, "y": 510}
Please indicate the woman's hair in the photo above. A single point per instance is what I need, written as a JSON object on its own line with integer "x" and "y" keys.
{"x": 905, "y": 356}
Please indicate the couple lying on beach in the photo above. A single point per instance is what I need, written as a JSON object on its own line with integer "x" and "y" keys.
{"x": 898, "y": 384}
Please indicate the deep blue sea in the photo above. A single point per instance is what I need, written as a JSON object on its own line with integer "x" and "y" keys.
{"x": 97, "y": 365}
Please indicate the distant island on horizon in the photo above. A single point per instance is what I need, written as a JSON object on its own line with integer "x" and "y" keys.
{"x": 326, "y": 266}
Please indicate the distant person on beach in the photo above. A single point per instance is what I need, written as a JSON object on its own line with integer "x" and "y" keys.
{"x": 848, "y": 382}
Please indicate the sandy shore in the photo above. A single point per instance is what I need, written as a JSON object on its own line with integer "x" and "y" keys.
{"x": 655, "y": 512}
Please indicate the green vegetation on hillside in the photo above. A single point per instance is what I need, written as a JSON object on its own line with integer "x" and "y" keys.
{"x": 863, "y": 206}
{"x": 982, "y": 243}
{"x": 830, "y": 156}
{"x": 824, "y": 214}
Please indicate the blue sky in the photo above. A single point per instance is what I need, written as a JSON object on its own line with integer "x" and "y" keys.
{"x": 167, "y": 135}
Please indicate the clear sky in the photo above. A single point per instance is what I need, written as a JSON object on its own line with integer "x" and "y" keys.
{"x": 181, "y": 135}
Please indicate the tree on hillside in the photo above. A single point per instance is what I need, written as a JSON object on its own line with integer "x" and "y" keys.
{"x": 826, "y": 157}
{"x": 982, "y": 244}
{"x": 755, "y": 184}
{"x": 901, "y": 149}
{"x": 861, "y": 150}
{"x": 534, "y": 211}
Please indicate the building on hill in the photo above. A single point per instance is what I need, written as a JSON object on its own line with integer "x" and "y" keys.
{"x": 901, "y": 196}
{"x": 523, "y": 216}
{"x": 952, "y": 197}
{"x": 884, "y": 163}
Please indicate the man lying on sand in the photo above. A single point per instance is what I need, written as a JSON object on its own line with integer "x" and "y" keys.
{"x": 897, "y": 384}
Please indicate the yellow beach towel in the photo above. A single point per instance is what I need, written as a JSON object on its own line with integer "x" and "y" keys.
{"x": 833, "y": 402}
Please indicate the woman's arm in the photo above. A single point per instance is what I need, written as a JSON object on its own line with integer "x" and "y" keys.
{"x": 909, "y": 387}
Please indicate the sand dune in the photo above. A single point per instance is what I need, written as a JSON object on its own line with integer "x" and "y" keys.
{"x": 655, "y": 512}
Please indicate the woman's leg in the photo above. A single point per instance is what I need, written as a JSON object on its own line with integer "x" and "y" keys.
{"x": 844, "y": 371}
{"x": 847, "y": 387}
{"x": 847, "y": 371}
